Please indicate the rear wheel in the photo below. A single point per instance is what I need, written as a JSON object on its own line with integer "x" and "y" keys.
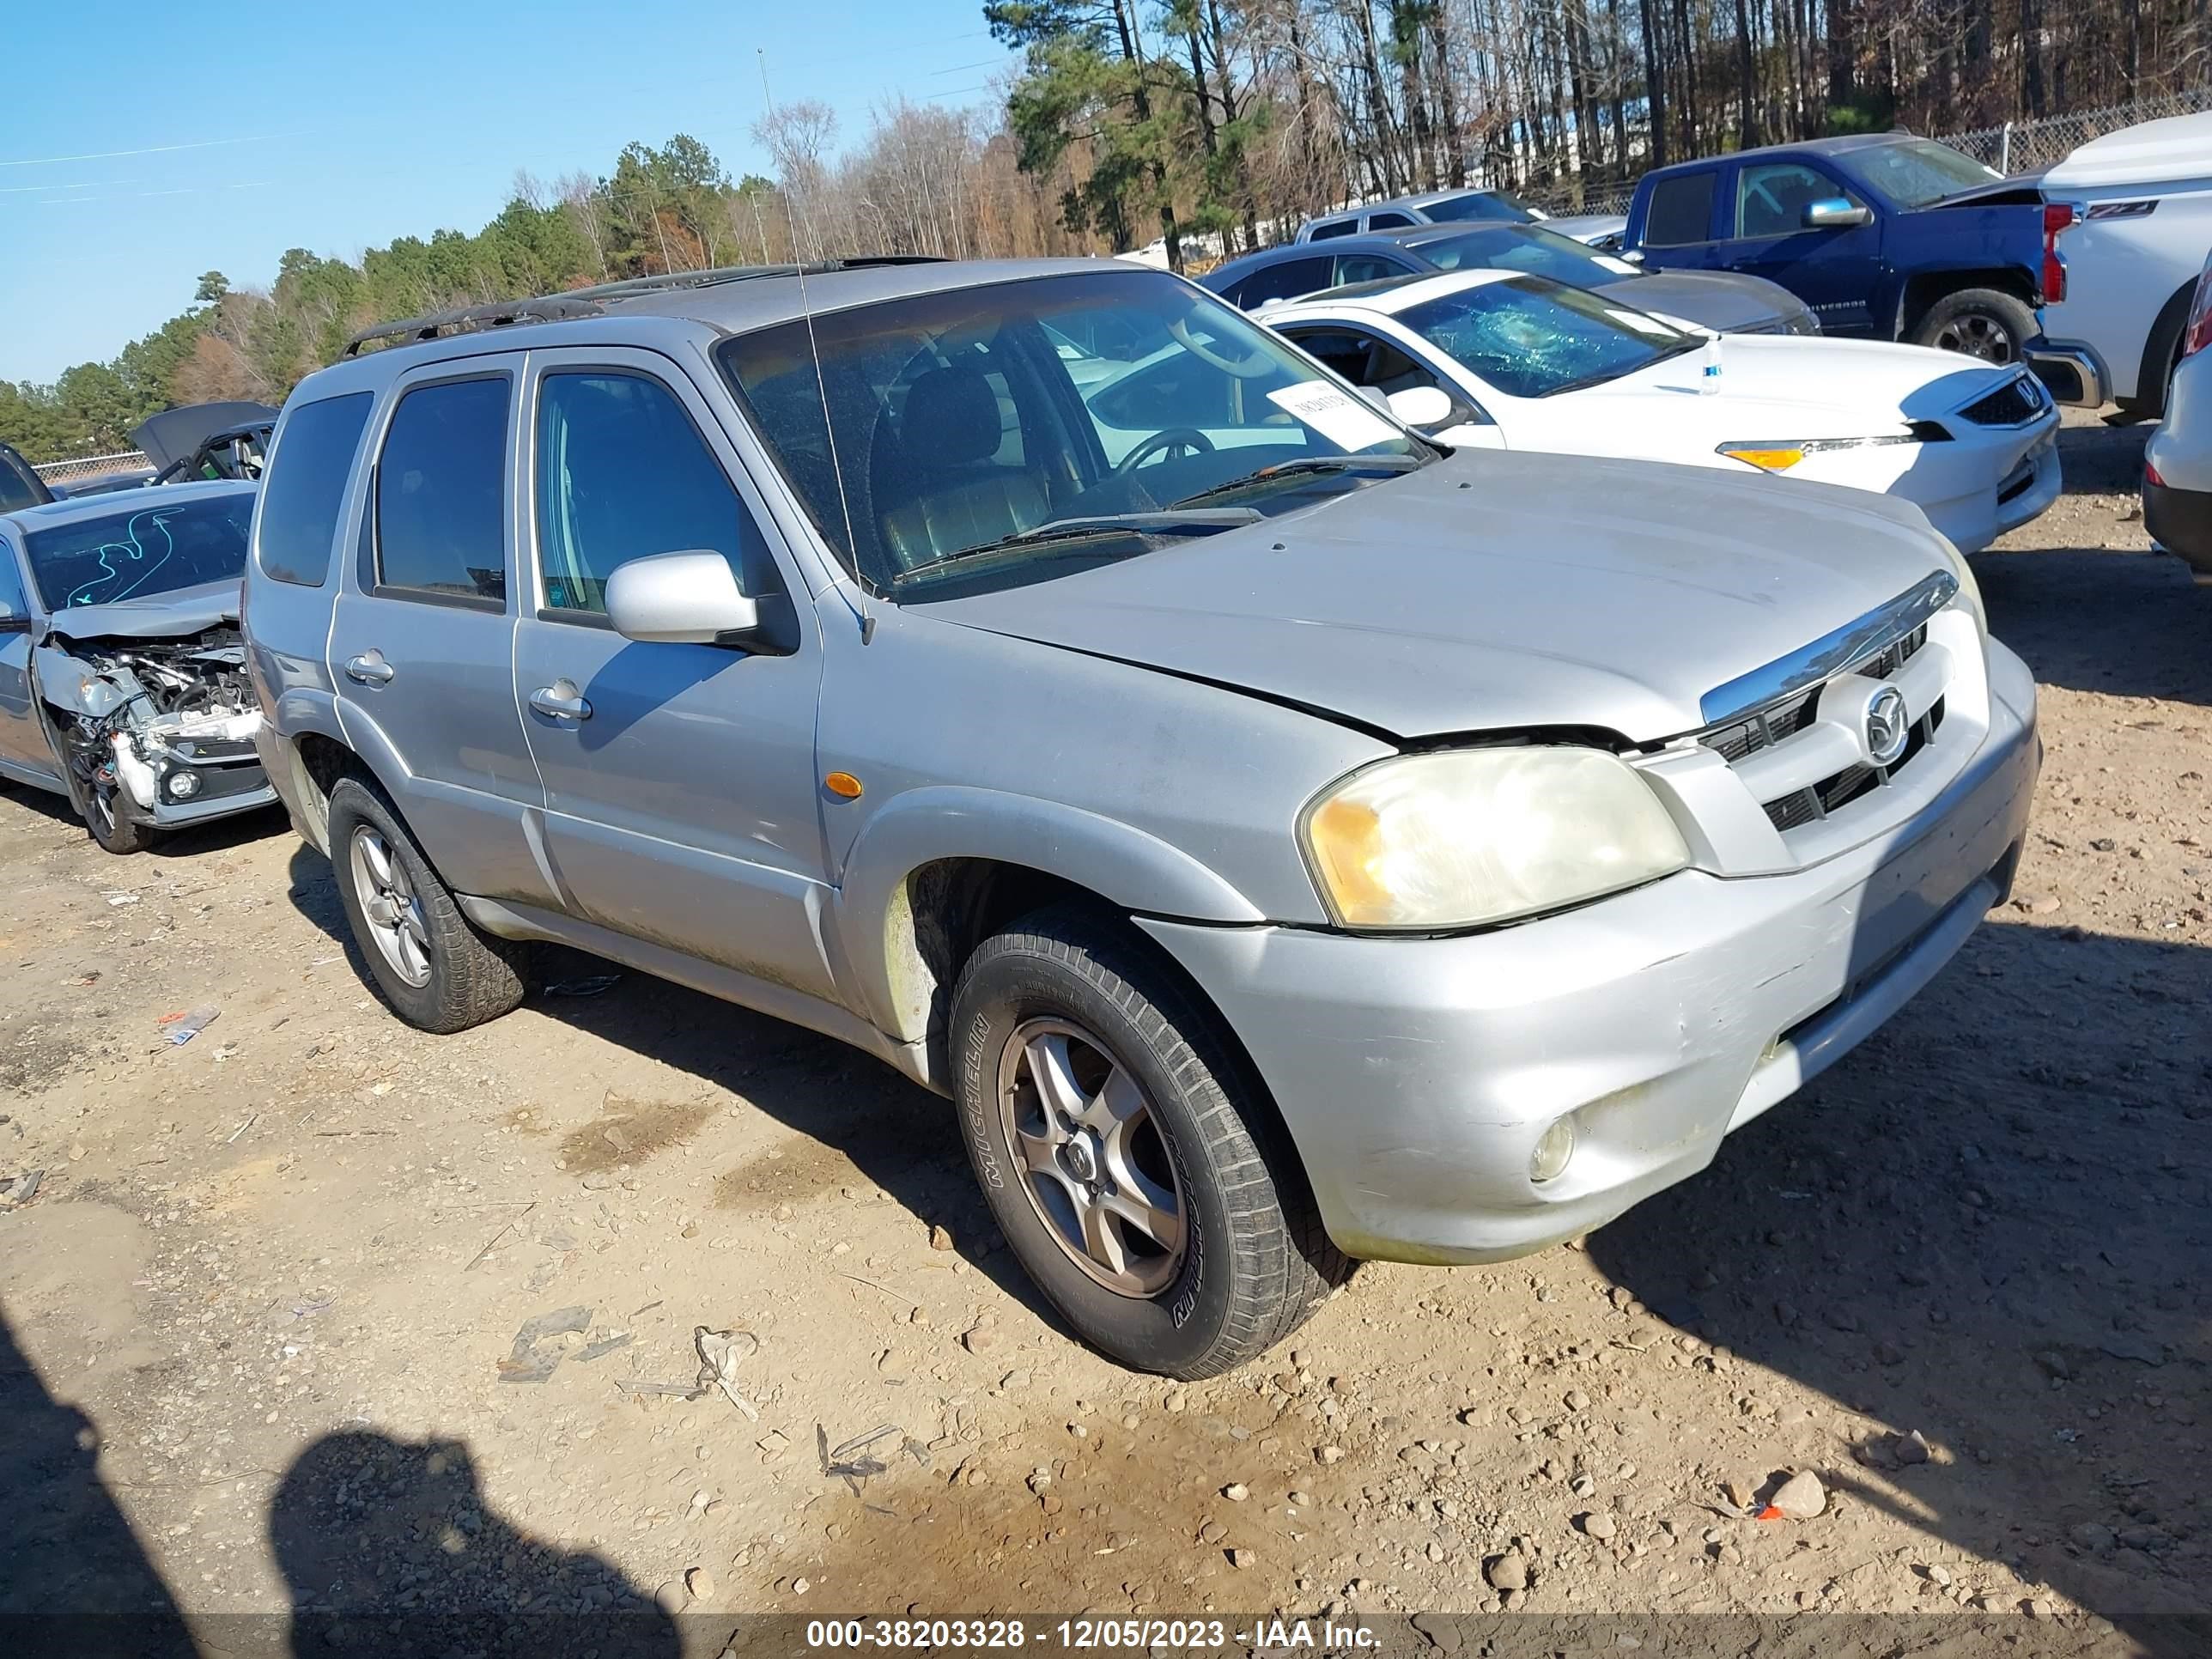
{"x": 1979, "y": 322}
{"x": 435, "y": 968}
{"x": 1125, "y": 1155}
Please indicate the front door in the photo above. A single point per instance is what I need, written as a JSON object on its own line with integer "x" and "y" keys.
{"x": 423, "y": 640}
{"x": 24, "y": 751}
{"x": 1834, "y": 270}
{"x": 681, "y": 802}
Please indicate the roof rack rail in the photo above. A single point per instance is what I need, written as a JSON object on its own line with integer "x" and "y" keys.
{"x": 592, "y": 301}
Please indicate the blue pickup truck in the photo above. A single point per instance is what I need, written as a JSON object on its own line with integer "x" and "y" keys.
{"x": 1884, "y": 235}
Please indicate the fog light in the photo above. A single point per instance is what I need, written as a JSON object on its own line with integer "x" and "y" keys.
{"x": 183, "y": 785}
{"x": 1553, "y": 1151}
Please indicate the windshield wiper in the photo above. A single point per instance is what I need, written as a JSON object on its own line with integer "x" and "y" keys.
{"x": 1168, "y": 522}
{"x": 1311, "y": 463}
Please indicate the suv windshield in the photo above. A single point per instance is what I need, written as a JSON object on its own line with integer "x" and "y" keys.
{"x": 971, "y": 418}
{"x": 1478, "y": 204}
{"x": 1915, "y": 172}
{"x": 129, "y": 555}
{"x": 1531, "y": 337}
{"x": 1523, "y": 247}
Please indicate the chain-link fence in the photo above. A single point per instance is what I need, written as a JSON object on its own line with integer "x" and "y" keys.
{"x": 90, "y": 466}
{"x": 2015, "y": 147}
{"x": 2031, "y": 146}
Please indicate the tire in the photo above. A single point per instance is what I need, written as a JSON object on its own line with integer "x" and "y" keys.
{"x": 436, "y": 968}
{"x": 1192, "y": 1142}
{"x": 109, "y": 828}
{"x": 1979, "y": 322}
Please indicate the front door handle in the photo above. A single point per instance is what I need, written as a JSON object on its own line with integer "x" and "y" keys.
{"x": 560, "y": 700}
{"x": 369, "y": 668}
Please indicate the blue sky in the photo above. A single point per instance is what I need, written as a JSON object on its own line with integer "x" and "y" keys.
{"x": 371, "y": 121}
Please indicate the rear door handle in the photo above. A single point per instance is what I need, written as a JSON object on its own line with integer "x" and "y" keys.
{"x": 560, "y": 700}
{"x": 369, "y": 668}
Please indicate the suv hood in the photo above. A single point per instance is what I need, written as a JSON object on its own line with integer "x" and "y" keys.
{"x": 1726, "y": 302}
{"x": 1492, "y": 592}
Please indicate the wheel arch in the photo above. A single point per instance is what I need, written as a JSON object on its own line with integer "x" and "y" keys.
{"x": 2150, "y": 395}
{"x": 932, "y": 875}
{"x": 1925, "y": 289}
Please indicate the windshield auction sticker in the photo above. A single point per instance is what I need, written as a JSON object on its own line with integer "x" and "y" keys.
{"x": 1337, "y": 416}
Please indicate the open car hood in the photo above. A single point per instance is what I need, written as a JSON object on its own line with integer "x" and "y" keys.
{"x": 171, "y": 435}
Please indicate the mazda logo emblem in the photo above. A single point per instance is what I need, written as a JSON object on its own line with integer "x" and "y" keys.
{"x": 1888, "y": 726}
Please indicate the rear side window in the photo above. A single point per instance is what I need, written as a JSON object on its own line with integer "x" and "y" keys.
{"x": 14, "y": 605}
{"x": 441, "y": 495}
{"x": 301, "y": 499}
{"x": 1328, "y": 228}
{"x": 1280, "y": 282}
{"x": 1681, "y": 210}
{"x": 1367, "y": 267}
{"x": 1392, "y": 221}
{"x": 623, "y": 474}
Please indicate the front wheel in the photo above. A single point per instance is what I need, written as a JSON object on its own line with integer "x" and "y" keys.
{"x": 1979, "y": 322}
{"x": 1114, "y": 1136}
{"x": 108, "y": 826}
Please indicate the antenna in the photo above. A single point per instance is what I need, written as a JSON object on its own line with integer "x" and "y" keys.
{"x": 822, "y": 383}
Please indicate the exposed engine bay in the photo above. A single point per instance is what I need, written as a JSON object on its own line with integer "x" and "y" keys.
{"x": 155, "y": 723}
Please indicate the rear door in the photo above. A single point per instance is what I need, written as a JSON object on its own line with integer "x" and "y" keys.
{"x": 1678, "y": 222}
{"x": 682, "y": 805}
{"x": 1835, "y": 270}
{"x": 24, "y": 750}
{"x": 421, "y": 648}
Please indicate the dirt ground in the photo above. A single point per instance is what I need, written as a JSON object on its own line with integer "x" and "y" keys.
{"x": 258, "y": 1312}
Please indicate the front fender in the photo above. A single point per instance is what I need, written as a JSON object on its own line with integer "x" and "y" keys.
{"x": 1127, "y": 867}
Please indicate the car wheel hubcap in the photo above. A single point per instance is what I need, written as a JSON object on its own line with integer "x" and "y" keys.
{"x": 1978, "y": 336}
{"x": 389, "y": 907}
{"x": 1094, "y": 1159}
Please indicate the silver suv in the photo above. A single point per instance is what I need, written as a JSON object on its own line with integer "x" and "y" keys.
{"x": 1285, "y": 841}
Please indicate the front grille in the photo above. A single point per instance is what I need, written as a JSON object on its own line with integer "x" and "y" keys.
{"x": 2016, "y": 403}
{"x": 1839, "y": 789}
{"x": 1779, "y": 721}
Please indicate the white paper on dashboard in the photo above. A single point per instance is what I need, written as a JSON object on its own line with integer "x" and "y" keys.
{"x": 1337, "y": 416}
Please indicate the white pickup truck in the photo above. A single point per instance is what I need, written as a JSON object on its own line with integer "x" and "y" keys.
{"x": 2143, "y": 203}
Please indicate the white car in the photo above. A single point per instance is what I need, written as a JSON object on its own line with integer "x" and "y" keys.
{"x": 2130, "y": 215}
{"x": 1515, "y": 362}
{"x": 2178, "y": 461}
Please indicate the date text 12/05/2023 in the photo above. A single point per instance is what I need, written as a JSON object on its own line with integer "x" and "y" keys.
{"x": 1195, "y": 1634}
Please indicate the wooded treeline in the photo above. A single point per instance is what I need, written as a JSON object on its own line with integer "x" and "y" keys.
{"x": 1210, "y": 126}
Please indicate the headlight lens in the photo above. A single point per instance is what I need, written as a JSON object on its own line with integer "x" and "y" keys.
{"x": 1970, "y": 591}
{"x": 1474, "y": 835}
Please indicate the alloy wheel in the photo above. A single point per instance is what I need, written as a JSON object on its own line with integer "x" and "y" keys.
{"x": 389, "y": 905}
{"x": 1093, "y": 1157}
{"x": 1977, "y": 334}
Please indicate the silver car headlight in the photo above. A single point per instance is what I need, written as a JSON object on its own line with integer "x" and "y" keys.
{"x": 1467, "y": 837}
{"x": 1970, "y": 591}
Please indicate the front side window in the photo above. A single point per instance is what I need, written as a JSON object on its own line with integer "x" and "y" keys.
{"x": 1478, "y": 204}
{"x": 440, "y": 493}
{"x": 953, "y": 423}
{"x": 1532, "y": 338}
{"x": 623, "y": 474}
{"x": 1681, "y": 210}
{"x": 300, "y": 501}
{"x": 1770, "y": 198}
{"x": 1367, "y": 267}
{"x": 1914, "y": 172}
{"x": 1366, "y": 359}
{"x": 14, "y": 605}
{"x": 162, "y": 548}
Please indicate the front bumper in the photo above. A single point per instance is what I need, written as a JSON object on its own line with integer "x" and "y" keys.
{"x": 1416, "y": 1076}
{"x": 2025, "y": 492}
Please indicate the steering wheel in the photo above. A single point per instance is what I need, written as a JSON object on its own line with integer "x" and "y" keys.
{"x": 1244, "y": 368}
{"x": 1174, "y": 437}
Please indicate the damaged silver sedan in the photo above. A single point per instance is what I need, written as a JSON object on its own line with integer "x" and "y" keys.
{"x": 122, "y": 674}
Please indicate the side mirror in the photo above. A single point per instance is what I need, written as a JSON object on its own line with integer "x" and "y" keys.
{"x": 1835, "y": 213}
{"x": 1421, "y": 406}
{"x": 680, "y": 598}
{"x": 1430, "y": 409}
